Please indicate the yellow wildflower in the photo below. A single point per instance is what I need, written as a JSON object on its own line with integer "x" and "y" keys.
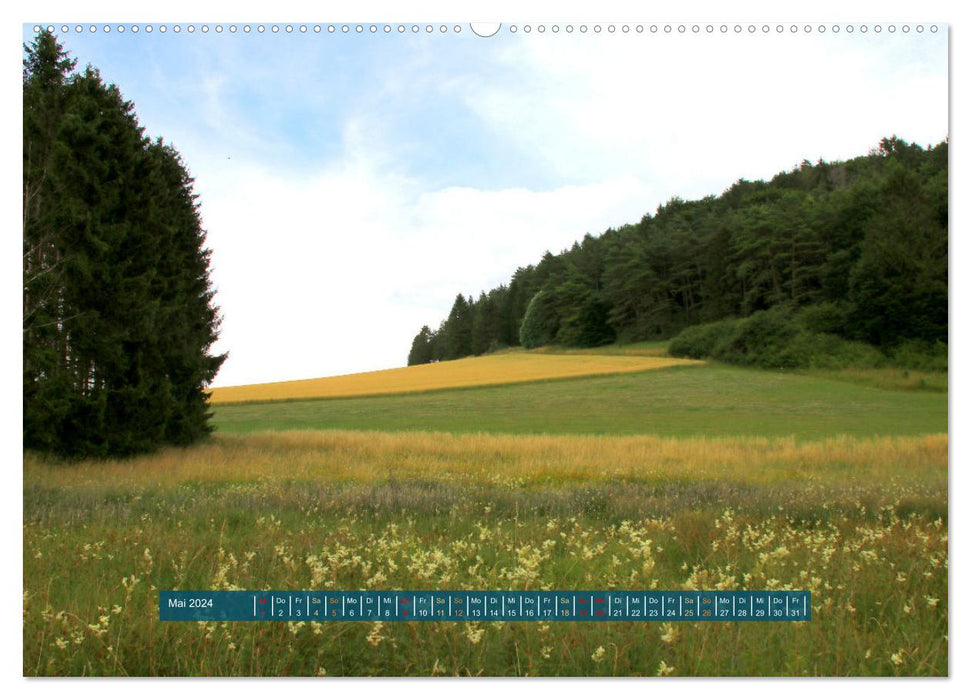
{"x": 473, "y": 632}
{"x": 664, "y": 670}
{"x": 375, "y": 637}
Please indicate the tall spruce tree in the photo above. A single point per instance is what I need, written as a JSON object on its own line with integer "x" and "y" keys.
{"x": 118, "y": 312}
{"x": 458, "y": 329}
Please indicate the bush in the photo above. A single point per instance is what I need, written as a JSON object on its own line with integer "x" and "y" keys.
{"x": 764, "y": 339}
{"x": 828, "y": 351}
{"x": 700, "y": 341}
{"x": 778, "y": 338}
{"x": 827, "y": 317}
{"x": 921, "y": 355}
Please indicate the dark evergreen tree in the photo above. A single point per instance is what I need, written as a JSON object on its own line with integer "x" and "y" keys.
{"x": 421, "y": 347}
{"x": 118, "y": 312}
{"x": 898, "y": 287}
{"x": 522, "y": 288}
{"x": 593, "y": 326}
{"x": 47, "y": 73}
{"x": 437, "y": 342}
{"x": 484, "y": 329}
{"x": 498, "y": 320}
{"x": 458, "y": 329}
{"x": 187, "y": 321}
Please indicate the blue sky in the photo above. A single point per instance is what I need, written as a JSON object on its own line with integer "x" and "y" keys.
{"x": 352, "y": 184}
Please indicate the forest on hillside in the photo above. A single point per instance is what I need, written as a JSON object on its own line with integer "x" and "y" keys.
{"x": 854, "y": 250}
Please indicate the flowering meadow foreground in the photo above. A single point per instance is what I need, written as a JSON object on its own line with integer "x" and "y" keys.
{"x": 861, "y": 522}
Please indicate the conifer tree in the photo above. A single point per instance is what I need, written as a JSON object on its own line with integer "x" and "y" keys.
{"x": 118, "y": 312}
{"x": 458, "y": 329}
{"x": 421, "y": 347}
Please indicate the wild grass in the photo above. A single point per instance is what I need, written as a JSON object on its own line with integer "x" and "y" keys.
{"x": 520, "y": 461}
{"x": 862, "y": 523}
{"x": 645, "y": 348}
{"x": 489, "y": 370}
{"x": 887, "y": 377}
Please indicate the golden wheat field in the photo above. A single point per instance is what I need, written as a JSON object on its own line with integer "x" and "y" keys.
{"x": 504, "y": 368}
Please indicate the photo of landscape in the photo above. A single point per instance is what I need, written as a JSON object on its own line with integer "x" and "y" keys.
{"x": 534, "y": 307}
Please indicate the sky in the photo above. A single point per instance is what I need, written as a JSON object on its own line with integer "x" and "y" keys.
{"x": 351, "y": 184}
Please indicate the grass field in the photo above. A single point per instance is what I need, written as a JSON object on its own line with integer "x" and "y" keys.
{"x": 677, "y": 478}
{"x": 677, "y": 401}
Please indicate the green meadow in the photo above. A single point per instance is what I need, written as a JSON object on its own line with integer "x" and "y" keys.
{"x": 683, "y": 478}
{"x": 713, "y": 400}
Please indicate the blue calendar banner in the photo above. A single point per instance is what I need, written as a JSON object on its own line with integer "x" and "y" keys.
{"x": 508, "y": 606}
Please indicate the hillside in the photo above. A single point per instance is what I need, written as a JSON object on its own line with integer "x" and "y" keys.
{"x": 703, "y": 400}
{"x": 858, "y": 246}
{"x": 505, "y": 368}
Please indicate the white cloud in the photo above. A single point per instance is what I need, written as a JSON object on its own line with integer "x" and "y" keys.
{"x": 691, "y": 114}
{"x": 337, "y": 272}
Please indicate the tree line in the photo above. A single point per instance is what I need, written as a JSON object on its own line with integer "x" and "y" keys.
{"x": 118, "y": 313}
{"x": 862, "y": 242}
